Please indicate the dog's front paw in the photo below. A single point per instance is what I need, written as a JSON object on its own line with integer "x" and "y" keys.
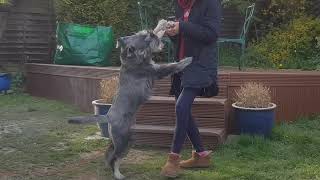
{"x": 187, "y": 60}
{"x": 184, "y": 63}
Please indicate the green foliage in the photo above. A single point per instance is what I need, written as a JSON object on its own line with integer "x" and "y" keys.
{"x": 4, "y": 2}
{"x": 279, "y": 12}
{"x": 293, "y": 46}
{"x": 272, "y": 13}
{"x": 229, "y": 54}
{"x": 240, "y": 5}
{"x": 18, "y": 82}
{"x": 96, "y": 12}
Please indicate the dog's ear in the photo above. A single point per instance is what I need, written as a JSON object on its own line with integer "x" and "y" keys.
{"x": 130, "y": 51}
{"x": 120, "y": 42}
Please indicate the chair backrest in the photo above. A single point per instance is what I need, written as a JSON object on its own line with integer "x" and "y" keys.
{"x": 143, "y": 16}
{"x": 247, "y": 20}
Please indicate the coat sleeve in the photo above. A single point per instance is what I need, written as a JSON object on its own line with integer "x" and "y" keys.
{"x": 209, "y": 29}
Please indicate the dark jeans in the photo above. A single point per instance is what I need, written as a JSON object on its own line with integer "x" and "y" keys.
{"x": 185, "y": 125}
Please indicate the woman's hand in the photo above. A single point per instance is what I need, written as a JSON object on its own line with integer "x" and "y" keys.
{"x": 173, "y": 30}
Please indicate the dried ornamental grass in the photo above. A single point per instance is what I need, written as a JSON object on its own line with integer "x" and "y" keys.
{"x": 108, "y": 88}
{"x": 253, "y": 95}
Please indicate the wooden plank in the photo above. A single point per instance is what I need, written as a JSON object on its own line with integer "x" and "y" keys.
{"x": 161, "y": 111}
{"x": 162, "y": 136}
{"x": 19, "y": 47}
{"x": 29, "y": 28}
{"x": 162, "y": 87}
{"x": 207, "y": 122}
{"x": 170, "y": 130}
{"x": 298, "y": 78}
{"x": 171, "y": 100}
{"x": 87, "y": 72}
{"x": 73, "y": 90}
{"x": 31, "y": 10}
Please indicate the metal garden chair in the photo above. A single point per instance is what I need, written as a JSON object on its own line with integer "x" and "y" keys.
{"x": 144, "y": 24}
{"x": 242, "y": 38}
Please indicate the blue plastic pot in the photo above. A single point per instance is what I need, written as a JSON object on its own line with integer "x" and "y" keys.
{"x": 255, "y": 121}
{"x": 5, "y": 82}
{"x": 101, "y": 108}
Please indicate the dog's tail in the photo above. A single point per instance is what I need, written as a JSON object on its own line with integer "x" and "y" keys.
{"x": 87, "y": 119}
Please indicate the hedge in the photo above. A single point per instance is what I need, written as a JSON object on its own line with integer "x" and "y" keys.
{"x": 294, "y": 46}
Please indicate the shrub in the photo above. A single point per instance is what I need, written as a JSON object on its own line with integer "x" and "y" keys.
{"x": 108, "y": 88}
{"x": 240, "y": 5}
{"x": 272, "y": 13}
{"x": 4, "y": 1}
{"x": 113, "y": 13}
{"x": 279, "y": 12}
{"x": 253, "y": 95}
{"x": 293, "y": 46}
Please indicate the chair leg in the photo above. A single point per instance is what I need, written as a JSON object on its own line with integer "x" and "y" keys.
{"x": 169, "y": 52}
{"x": 243, "y": 46}
{"x": 218, "y": 52}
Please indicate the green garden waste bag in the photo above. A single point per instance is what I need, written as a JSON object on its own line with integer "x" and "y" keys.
{"x": 83, "y": 45}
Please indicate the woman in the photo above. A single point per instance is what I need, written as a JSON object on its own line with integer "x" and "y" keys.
{"x": 195, "y": 35}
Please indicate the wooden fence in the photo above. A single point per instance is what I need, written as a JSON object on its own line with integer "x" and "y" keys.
{"x": 28, "y": 32}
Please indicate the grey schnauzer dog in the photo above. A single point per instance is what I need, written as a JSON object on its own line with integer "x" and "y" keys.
{"x": 137, "y": 75}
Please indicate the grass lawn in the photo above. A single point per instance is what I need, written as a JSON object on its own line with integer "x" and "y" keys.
{"x": 37, "y": 143}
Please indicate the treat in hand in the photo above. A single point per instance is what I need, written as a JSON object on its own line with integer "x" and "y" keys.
{"x": 161, "y": 28}
{"x": 164, "y": 26}
{"x": 170, "y": 24}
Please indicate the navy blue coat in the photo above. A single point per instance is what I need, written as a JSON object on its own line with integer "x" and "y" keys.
{"x": 200, "y": 34}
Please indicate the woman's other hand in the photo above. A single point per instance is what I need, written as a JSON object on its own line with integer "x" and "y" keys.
{"x": 173, "y": 29}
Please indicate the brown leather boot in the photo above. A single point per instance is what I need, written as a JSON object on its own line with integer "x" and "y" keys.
{"x": 196, "y": 161}
{"x": 171, "y": 168}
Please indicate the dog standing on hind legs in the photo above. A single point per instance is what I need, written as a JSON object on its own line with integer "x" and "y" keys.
{"x": 137, "y": 75}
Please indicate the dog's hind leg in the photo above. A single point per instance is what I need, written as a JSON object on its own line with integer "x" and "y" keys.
{"x": 109, "y": 155}
{"x": 121, "y": 141}
{"x": 114, "y": 161}
{"x": 117, "y": 174}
